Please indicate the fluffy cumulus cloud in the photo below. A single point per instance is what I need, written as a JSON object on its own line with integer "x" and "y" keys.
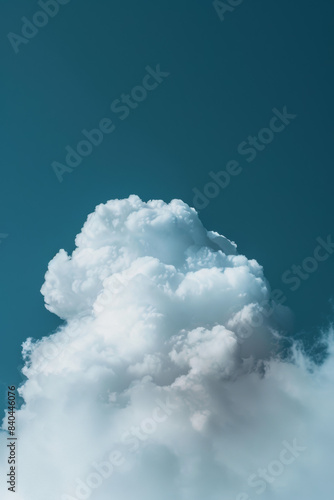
{"x": 167, "y": 379}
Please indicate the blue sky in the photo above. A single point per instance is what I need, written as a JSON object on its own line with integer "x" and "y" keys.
{"x": 225, "y": 79}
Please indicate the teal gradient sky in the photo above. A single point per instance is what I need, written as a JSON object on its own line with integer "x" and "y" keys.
{"x": 225, "y": 79}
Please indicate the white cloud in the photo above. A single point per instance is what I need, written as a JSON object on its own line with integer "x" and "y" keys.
{"x": 150, "y": 365}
